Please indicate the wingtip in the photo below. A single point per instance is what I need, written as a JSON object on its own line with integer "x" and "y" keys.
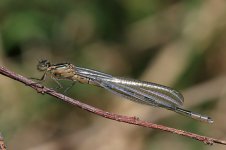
{"x": 210, "y": 120}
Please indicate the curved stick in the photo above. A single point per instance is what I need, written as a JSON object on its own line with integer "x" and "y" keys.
{"x": 126, "y": 119}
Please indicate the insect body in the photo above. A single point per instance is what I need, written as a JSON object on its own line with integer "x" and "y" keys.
{"x": 139, "y": 91}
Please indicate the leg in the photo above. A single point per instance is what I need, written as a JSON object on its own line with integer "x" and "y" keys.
{"x": 68, "y": 88}
{"x": 40, "y": 80}
{"x": 58, "y": 83}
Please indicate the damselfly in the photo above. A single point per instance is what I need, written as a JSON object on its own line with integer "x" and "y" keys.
{"x": 139, "y": 91}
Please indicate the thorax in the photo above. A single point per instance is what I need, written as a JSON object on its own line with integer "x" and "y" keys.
{"x": 61, "y": 71}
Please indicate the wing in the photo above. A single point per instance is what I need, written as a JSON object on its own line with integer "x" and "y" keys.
{"x": 138, "y": 91}
{"x": 142, "y": 92}
{"x": 159, "y": 92}
{"x": 89, "y": 73}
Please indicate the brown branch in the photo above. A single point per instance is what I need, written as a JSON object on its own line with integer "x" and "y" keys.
{"x": 2, "y": 144}
{"x": 131, "y": 120}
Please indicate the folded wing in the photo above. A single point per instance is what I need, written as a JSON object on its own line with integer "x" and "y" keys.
{"x": 139, "y": 91}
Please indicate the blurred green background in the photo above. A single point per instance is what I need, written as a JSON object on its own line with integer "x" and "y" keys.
{"x": 176, "y": 43}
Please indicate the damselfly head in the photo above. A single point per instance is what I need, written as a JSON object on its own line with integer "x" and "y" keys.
{"x": 43, "y": 65}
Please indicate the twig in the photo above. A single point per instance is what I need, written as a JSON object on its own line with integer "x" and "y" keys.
{"x": 131, "y": 120}
{"x": 2, "y": 144}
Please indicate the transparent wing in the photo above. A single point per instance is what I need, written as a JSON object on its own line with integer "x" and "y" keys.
{"x": 139, "y": 91}
{"x": 91, "y": 73}
{"x": 156, "y": 91}
{"x": 140, "y": 95}
{"x": 142, "y": 92}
